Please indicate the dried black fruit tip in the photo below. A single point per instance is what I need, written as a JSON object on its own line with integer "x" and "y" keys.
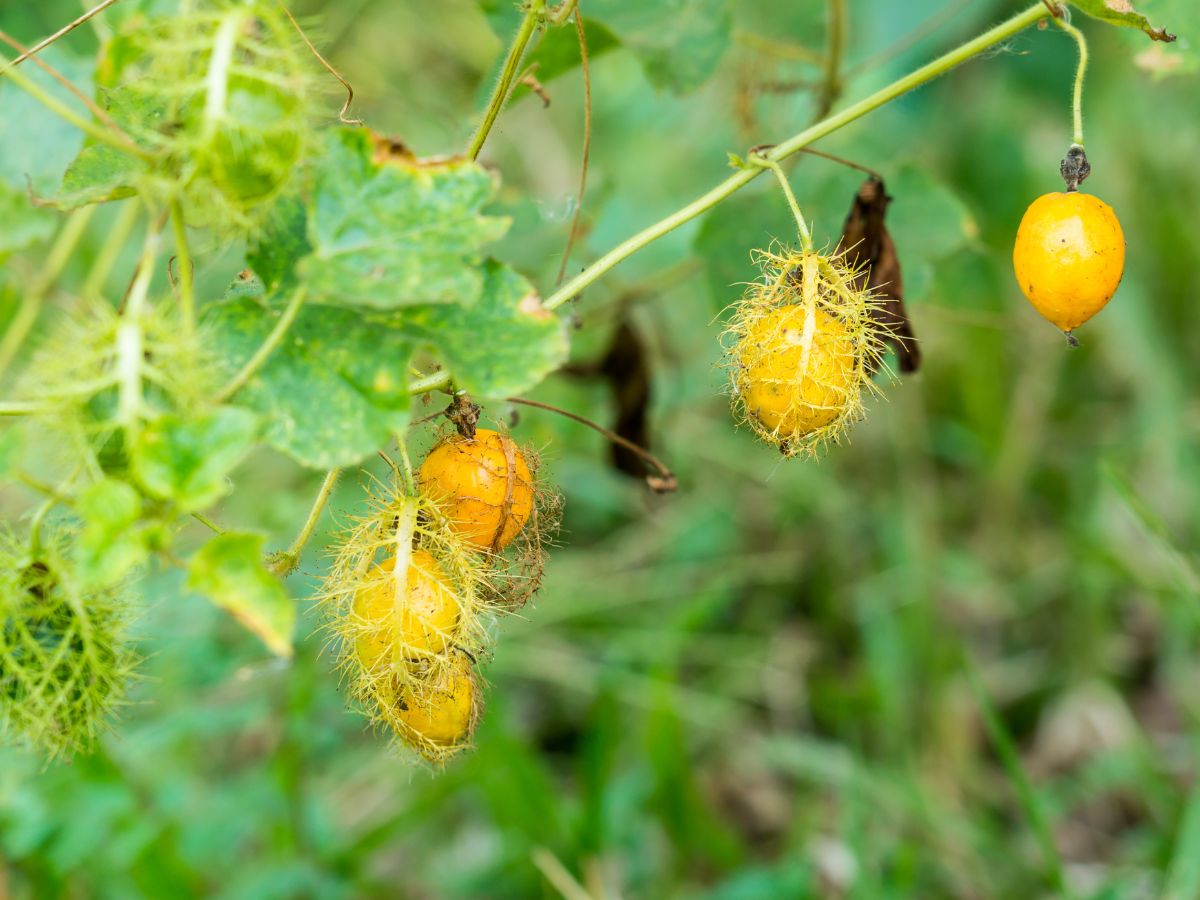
{"x": 464, "y": 414}
{"x": 1075, "y": 168}
{"x": 1072, "y": 341}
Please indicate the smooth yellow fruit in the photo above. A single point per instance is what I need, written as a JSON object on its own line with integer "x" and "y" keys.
{"x": 1069, "y": 257}
{"x": 424, "y": 622}
{"x": 483, "y": 485}
{"x": 794, "y": 383}
{"x": 444, "y": 712}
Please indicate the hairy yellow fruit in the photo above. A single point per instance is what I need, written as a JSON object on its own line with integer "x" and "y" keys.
{"x": 797, "y": 369}
{"x": 482, "y": 484}
{"x": 444, "y": 712}
{"x": 421, "y": 625}
{"x": 1069, "y": 257}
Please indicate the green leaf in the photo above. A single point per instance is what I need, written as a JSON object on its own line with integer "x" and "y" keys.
{"x": 111, "y": 542}
{"x": 1121, "y": 12}
{"x": 335, "y": 388}
{"x": 396, "y": 234}
{"x": 187, "y": 459}
{"x": 35, "y": 144}
{"x": 503, "y": 344}
{"x": 273, "y": 254}
{"x": 229, "y": 570}
{"x": 678, "y": 42}
{"x": 98, "y": 174}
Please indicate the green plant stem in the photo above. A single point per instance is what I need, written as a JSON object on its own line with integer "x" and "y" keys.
{"x": 208, "y": 523}
{"x": 285, "y": 563}
{"x": 806, "y": 241}
{"x": 559, "y": 14}
{"x": 110, "y": 250}
{"x": 130, "y": 349}
{"x": 435, "y": 382}
{"x": 56, "y": 106}
{"x": 17, "y": 408}
{"x": 825, "y": 127}
{"x": 31, "y": 303}
{"x": 831, "y": 84}
{"x": 1080, "y": 74}
{"x": 406, "y": 469}
{"x": 512, "y": 64}
{"x": 268, "y": 347}
{"x": 183, "y": 255}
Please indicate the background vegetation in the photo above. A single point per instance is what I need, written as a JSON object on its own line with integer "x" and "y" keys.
{"x": 956, "y": 658}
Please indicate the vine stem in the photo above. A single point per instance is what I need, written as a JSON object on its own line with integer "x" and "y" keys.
{"x": 130, "y": 350}
{"x": 104, "y": 135}
{"x": 274, "y": 339}
{"x": 794, "y": 144}
{"x": 435, "y": 382}
{"x": 512, "y": 64}
{"x": 285, "y": 563}
{"x": 806, "y": 240}
{"x": 66, "y": 29}
{"x": 31, "y": 303}
{"x": 187, "y": 288}
{"x": 1080, "y": 74}
{"x": 663, "y": 483}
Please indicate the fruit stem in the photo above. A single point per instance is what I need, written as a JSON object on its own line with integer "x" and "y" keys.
{"x": 406, "y": 469}
{"x": 512, "y": 64}
{"x": 435, "y": 382}
{"x": 806, "y": 241}
{"x": 268, "y": 347}
{"x": 285, "y": 563}
{"x": 940, "y": 66}
{"x": 1080, "y": 74}
{"x": 663, "y": 483}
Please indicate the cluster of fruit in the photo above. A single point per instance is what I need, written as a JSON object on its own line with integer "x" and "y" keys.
{"x": 416, "y": 584}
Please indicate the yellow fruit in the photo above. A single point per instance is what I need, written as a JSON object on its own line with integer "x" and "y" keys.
{"x": 1069, "y": 257}
{"x": 484, "y": 486}
{"x": 443, "y": 712}
{"x": 423, "y": 624}
{"x": 795, "y": 374}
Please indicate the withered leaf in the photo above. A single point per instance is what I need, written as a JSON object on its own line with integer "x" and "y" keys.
{"x": 870, "y": 250}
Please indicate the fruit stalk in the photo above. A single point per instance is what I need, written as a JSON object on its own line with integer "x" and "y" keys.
{"x": 794, "y": 144}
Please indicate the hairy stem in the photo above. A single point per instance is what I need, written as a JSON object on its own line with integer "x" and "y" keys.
{"x": 831, "y": 83}
{"x": 825, "y": 127}
{"x": 286, "y": 562}
{"x": 274, "y": 339}
{"x": 31, "y": 303}
{"x": 806, "y": 241}
{"x": 130, "y": 350}
{"x": 107, "y": 136}
{"x": 1080, "y": 74}
{"x": 187, "y": 288}
{"x": 66, "y": 29}
{"x": 512, "y": 64}
{"x": 110, "y": 250}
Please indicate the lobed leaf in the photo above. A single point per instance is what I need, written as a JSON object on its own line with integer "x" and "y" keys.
{"x": 229, "y": 571}
{"x": 395, "y": 233}
{"x": 503, "y": 344}
{"x": 335, "y": 388}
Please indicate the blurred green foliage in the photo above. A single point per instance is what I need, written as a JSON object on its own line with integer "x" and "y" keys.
{"x": 955, "y": 658}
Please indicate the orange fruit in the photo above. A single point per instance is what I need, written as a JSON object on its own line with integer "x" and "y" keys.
{"x": 484, "y": 486}
{"x": 1069, "y": 257}
{"x": 795, "y": 378}
{"x": 444, "y": 712}
{"x": 423, "y": 623}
